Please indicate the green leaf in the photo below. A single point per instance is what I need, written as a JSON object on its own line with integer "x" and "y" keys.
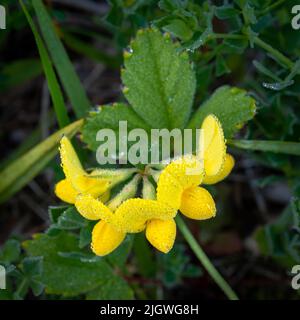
{"x": 173, "y": 265}
{"x": 79, "y": 256}
{"x": 144, "y": 255}
{"x": 199, "y": 39}
{"x": 249, "y": 13}
{"x": 171, "y": 5}
{"x": 226, "y": 11}
{"x": 10, "y": 252}
{"x": 70, "y": 219}
{"x": 85, "y": 235}
{"x": 37, "y": 287}
{"x": 231, "y": 105}
{"x": 54, "y": 88}
{"x": 17, "y": 174}
{"x": 113, "y": 289}
{"x": 55, "y": 212}
{"x": 108, "y": 117}
{"x": 120, "y": 255}
{"x": 32, "y": 266}
{"x": 160, "y": 82}
{"x": 69, "y": 276}
{"x": 292, "y": 148}
{"x": 62, "y": 63}
{"x": 179, "y": 29}
{"x": 280, "y": 238}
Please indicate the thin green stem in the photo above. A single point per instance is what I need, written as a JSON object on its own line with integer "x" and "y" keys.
{"x": 275, "y": 53}
{"x": 203, "y": 258}
{"x": 271, "y": 7}
{"x": 287, "y": 147}
{"x": 22, "y": 289}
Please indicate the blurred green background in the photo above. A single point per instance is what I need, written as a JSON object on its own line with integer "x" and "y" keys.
{"x": 255, "y": 240}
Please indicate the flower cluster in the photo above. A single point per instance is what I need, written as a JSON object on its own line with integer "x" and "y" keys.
{"x": 178, "y": 188}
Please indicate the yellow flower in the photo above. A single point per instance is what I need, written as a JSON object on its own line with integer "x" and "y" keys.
{"x": 78, "y": 181}
{"x": 177, "y": 189}
{"x": 178, "y": 184}
{"x": 131, "y": 216}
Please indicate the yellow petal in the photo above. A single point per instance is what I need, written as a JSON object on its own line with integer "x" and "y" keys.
{"x": 161, "y": 234}
{"x": 70, "y": 163}
{"x": 228, "y": 165}
{"x": 186, "y": 170}
{"x": 92, "y": 186}
{"x": 179, "y": 175}
{"x": 65, "y": 191}
{"x": 105, "y": 238}
{"x": 198, "y": 204}
{"x": 133, "y": 214}
{"x": 214, "y": 145}
{"x": 92, "y": 209}
{"x": 169, "y": 190}
{"x": 74, "y": 172}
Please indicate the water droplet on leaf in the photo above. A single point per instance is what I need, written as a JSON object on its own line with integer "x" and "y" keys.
{"x": 278, "y": 85}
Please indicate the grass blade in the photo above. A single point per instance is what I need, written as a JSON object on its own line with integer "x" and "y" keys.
{"x": 25, "y": 168}
{"x": 62, "y": 63}
{"x": 292, "y": 148}
{"x": 55, "y": 91}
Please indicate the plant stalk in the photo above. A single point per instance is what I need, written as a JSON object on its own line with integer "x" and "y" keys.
{"x": 203, "y": 258}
